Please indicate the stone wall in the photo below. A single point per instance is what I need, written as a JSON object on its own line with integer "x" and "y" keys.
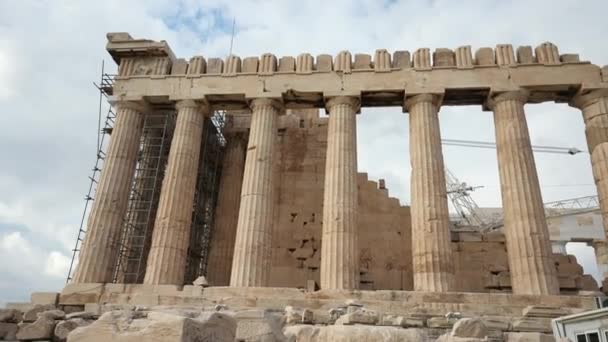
{"x": 384, "y": 225}
{"x": 481, "y": 261}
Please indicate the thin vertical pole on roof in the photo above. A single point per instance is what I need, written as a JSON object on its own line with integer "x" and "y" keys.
{"x": 232, "y": 36}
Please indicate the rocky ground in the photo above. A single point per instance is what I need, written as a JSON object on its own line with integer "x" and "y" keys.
{"x": 350, "y": 322}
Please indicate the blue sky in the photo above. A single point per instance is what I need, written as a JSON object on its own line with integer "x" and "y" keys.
{"x": 51, "y": 51}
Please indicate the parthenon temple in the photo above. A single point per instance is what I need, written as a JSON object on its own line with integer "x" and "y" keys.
{"x": 234, "y": 182}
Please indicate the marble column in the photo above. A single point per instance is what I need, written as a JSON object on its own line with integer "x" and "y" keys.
{"x": 171, "y": 236}
{"x": 251, "y": 260}
{"x": 339, "y": 244}
{"x": 527, "y": 237}
{"x": 601, "y": 256}
{"x": 226, "y": 211}
{"x": 431, "y": 242}
{"x": 595, "y": 114}
{"x": 106, "y": 220}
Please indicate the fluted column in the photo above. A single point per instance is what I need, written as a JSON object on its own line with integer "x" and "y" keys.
{"x": 595, "y": 114}
{"x": 431, "y": 243}
{"x": 339, "y": 245}
{"x": 251, "y": 261}
{"x": 529, "y": 248}
{"x": 601, "y": 257}
{"x": 171, "y": 235}
{"x": 226, "y": 212}
{"x": 105, "y": 223}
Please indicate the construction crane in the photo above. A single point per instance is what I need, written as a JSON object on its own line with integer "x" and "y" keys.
{"x": 459, "y": 194}
{"x": 468, "y": 211}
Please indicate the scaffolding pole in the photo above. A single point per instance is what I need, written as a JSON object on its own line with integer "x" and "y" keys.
{"x": 143, "y": 200}
{"x": 104, "y": 87}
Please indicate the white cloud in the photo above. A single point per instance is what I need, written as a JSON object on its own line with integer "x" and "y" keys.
{"x": 56, "y": 264}
{"x": 50, "y": 52}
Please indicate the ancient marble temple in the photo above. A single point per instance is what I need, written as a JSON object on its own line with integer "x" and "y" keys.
{"x": 293, "y": 211}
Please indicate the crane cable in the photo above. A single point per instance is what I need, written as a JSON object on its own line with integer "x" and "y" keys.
{"x": 491, "y": 145}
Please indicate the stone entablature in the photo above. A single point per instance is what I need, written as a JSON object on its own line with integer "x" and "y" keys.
{"x": 305, "y": 82}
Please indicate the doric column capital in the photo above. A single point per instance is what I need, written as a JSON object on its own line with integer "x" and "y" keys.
{"x": 202, "y": 106}
{"x": 520, "y": 95}
{"x": 410, "y": 101}
{"x": 352, "y": 101}
{"x": 581, "y": 101}
{"x": 138, "y": 106}
{"x": 263, "y": 101}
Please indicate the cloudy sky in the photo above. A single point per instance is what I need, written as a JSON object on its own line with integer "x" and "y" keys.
{"x": 51, "y": 52}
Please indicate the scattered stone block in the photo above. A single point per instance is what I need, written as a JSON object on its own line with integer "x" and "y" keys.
{"x": 532, "y": 324}
{"x": 392, "y": 320}
{"x": 358, "y": 316}
{"x": 469, "y": 327}
{"x": 298, "y": 316}
{"x": 68, "y": 309}
{"x": 336, "y": 313}
{"x": 201, "y": 281}
{"x": 266, "y": 328}
{"x": 441, "y": 322}
{"x": 543, "y": 311}
{"x": 93, "y": 308}
{"x": 83, "y": 314}
{"x": 347, "y": 333}
{"x": 44, "y": 298}
{"x": 528, "y": 337}
{"x": 32, "y": 314}
{"x": 63, "y": 328}
{"x": 53, "y": 314}
{"x": 8, "y": 331}
{"x": 10, "y": 316}
{"x": 497, "y": 323}
{"x": 127, "y": 326}
{"x": 41, "y": 329}
{"x": 414, "y": 321}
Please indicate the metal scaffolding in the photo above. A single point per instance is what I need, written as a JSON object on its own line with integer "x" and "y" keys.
{"x": 103, "y": 131}
{"x": 203, "y": 214}
{"x": 153, "y": 153}
{"x": 143, "y": 200}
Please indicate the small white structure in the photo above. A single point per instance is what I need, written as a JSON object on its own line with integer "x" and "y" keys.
{"x": 589, "y": 326}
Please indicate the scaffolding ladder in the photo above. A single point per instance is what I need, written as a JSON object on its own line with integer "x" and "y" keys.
{"x": 105, "y": 89}
{"x": 203, "y": 214}
{"x": 144, "y": 196}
